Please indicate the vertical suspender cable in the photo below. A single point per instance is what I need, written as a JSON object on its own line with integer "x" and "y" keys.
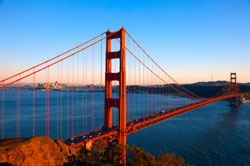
{"x": 143, "y": 85}
{"x": 48, "y": 100}
{"x": 68, "y": 102}
{"x": 92, "y": 93}
{"x": 83, "y": 93}
{"x": 17, "y": 108}
{"x": 101, "y": 87}
{"x": 139, "y": 85}
{"x": 33, "y": 105}
{"x": 46, "y": 107}
{"x": 61, "y": 95}
{"x": 72, "y": 93}
{"x": 86, "y": 76}
{"x": 77, "y": 63}
{"x": 3, "y": 114}
{"x": 135, "y": 86}
{"x": 57, "y": 102}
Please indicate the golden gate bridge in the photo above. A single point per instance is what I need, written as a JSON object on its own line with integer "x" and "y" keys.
{"x": 112, "y": 63}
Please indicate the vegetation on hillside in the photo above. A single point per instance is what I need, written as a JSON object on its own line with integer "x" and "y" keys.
{"x": 245, "y": 89}
{"x": 246, "y": 95}
{"x": 46, "y": 151}
{"x": 101, "y": 154}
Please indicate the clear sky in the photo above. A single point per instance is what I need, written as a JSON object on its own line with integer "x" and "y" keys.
{"x": 193, "y": 40}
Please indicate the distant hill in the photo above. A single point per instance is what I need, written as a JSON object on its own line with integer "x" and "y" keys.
{"x": 215, "y": 83}
{"x": 248, "y": 84}
{"x": 211, "y": 83}
{"x": 210, "y": 89}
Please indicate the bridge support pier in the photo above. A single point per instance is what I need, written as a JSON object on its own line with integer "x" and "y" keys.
{"x": 120, "y": 76}
{"x": 89, "y": 145}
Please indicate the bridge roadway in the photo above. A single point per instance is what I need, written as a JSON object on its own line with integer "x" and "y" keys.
{"x": 110, "y": 135}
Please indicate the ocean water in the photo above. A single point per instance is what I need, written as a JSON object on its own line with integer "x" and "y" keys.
{"x": 212, "y": 135}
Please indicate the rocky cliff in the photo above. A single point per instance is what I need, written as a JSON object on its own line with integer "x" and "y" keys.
{"x": 37, "y": 151}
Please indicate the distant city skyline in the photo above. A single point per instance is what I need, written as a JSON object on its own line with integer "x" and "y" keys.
{"x": 192, "y": 40}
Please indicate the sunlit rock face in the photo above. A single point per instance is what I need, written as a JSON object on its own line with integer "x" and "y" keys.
{"x": 34, "y": 151}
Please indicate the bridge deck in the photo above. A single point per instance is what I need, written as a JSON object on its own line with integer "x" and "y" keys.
{"x": 140, "y": 123}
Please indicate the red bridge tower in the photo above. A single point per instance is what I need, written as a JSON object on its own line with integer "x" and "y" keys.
{"x": 233, "y": 88}
{"x": 120, "y": 76}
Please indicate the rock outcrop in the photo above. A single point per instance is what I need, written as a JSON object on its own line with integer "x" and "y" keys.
{"x": 37, "y": 151}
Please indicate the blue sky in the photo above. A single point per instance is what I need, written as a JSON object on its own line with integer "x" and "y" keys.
{"x": 191, "y": 39}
